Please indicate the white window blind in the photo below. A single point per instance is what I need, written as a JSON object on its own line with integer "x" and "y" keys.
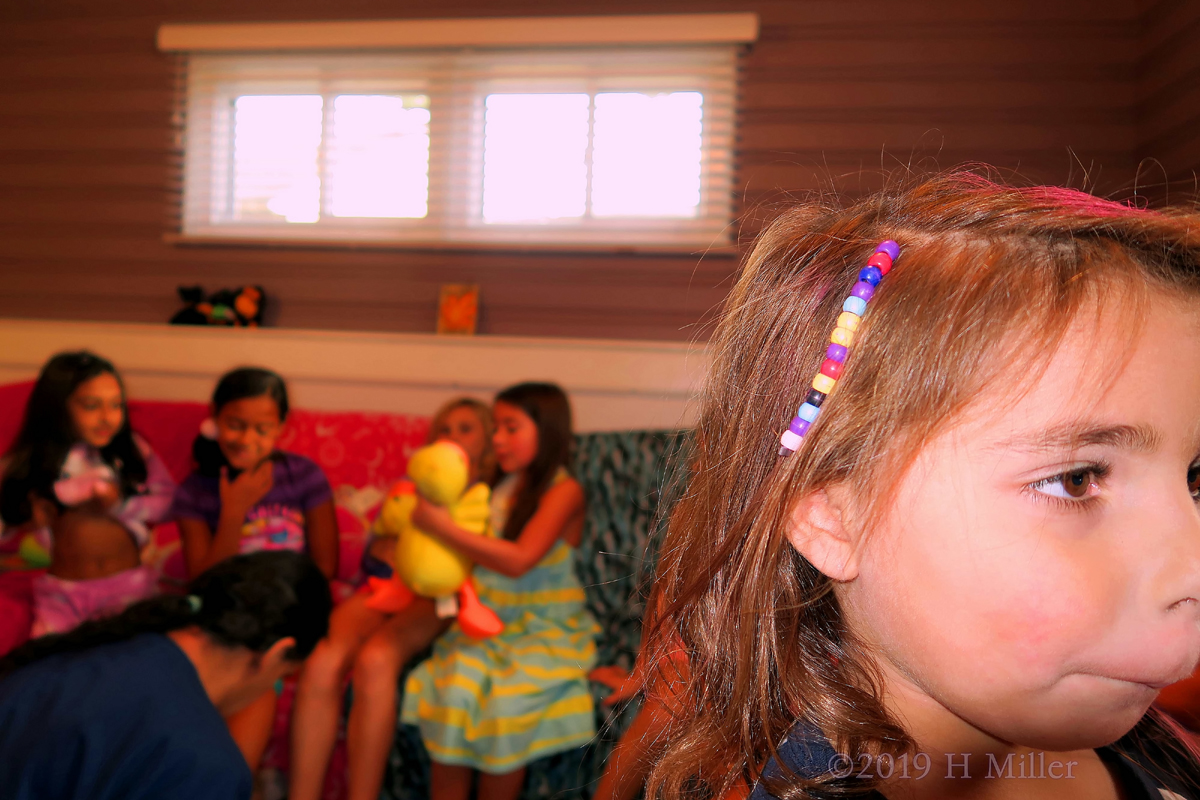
{"x": 601, "y": 146}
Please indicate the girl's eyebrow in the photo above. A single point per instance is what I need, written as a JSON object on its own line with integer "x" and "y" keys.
{"x": 1075, "y": 435}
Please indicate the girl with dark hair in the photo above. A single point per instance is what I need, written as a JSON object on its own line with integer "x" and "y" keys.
{"x": 130, "y": 707}
{"x": 374, "y": 647}
{"x": 941, "y": 536}
{"x": 246, "y": 496}
{"x": 76, "y": 451}
{"x": 495, "y": 705}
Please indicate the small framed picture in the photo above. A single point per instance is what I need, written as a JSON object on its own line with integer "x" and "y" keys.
{"x": 458, "y": 308}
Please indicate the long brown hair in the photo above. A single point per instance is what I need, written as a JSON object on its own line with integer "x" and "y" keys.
{"x": 547, "y": 405}
{"x": 990, "y": 276}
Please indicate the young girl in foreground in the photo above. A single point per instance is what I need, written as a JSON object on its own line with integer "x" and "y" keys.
{"x": 76, "y": 455}
{"x": 374, "y": 646}
{"x": 496, "y": 705}
{"x": 982, "y": 560}
{"x": 246, "y": 496}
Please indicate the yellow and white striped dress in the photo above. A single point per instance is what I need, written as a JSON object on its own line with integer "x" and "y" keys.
{"x": 498, "y": 704}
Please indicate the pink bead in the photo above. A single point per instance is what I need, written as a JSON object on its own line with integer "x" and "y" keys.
{"x": 831, "y": 368}
{"x": 790, "y": 441}
{"x": 882, "y": 261}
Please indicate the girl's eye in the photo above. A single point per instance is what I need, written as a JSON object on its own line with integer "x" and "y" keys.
{"x": 1193, "y": 477}
{"x": 1074, "y": 485}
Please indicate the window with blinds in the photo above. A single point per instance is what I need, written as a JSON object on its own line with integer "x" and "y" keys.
{"x": 610, "y": 146}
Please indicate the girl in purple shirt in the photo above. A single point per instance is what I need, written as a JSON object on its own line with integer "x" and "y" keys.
{"x": 246, "y": 496}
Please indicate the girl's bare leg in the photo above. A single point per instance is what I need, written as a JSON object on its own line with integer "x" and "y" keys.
{"x": 377, "y": 669}
{"x": 501, "y": 787}
{"x": 251, "y": 727}
{"x": 448, "y": 782}
{"x": 319, "y": 695}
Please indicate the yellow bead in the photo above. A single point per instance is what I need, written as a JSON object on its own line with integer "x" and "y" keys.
{"x": 842, "y": 336}
{"x": 849, "y": 321}
{"x": 823, "y": 383}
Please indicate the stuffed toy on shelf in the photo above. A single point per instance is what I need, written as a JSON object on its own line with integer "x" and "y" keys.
{"x": 424, "y": 565}
{"x": 241, "y": 307}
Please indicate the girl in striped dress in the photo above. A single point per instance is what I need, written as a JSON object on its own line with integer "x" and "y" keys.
{"x": 493, "y": 706}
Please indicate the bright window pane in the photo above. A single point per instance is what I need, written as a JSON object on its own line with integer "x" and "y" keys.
{"x": 534, "y": 146}
{"x": 646, "y": 155}
{"x": 378, "y": 159}
{"x": 275, "y": 163}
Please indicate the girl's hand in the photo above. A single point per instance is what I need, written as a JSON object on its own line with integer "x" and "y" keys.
{"x": 248, "y": 488}
{"x": 106, "y": 494}
{"x": 431, "y": 518}
{"x": 623, "y": 684}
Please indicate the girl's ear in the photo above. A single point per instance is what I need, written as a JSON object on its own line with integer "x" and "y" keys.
{"x": 818, "y": 531}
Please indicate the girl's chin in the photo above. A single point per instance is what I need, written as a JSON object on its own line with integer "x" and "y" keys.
{"x": 241, "y": 462}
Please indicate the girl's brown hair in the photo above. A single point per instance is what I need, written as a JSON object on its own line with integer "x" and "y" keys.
{"x": 487, "y": 460}
{"x": 547, "y": 405}
{"x": 989, "y": 279}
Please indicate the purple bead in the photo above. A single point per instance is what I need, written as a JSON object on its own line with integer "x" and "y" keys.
{"x": 889, "y": 247}
{"x": 837, "y": 352}
{"x": 799, "y": 426}
{"x": 871, "y": 275}
{"x": 863, "y": 290}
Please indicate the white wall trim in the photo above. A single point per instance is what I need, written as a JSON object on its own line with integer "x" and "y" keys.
{"x": 614, "y": 385}
{"x": 472, "y": 32}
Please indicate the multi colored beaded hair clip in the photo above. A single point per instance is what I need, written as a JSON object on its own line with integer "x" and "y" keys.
{"x": 878, "y": 265}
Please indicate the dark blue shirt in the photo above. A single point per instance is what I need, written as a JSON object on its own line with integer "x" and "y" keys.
{"x": 119, "y": 722}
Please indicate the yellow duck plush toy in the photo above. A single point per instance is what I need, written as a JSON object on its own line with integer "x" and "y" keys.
{"x": 424, "y": 565}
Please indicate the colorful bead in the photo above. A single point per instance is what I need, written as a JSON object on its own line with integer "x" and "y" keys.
{"x": 871, "y": 275}
{"x": 831, "y": 368}
{"x": 853, "y": 308}
{"x": 889, "y": 247}
{"x": 864, "y": 290}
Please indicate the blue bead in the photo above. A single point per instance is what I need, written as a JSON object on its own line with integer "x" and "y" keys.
{"x": 889, "y": 247}
{"x": 855, "y": 305}
{"x": 808, "y": 412}
{"x": 870, "y": 275}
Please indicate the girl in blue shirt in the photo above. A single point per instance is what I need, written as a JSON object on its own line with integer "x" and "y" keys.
{"x": 131, "y": 707}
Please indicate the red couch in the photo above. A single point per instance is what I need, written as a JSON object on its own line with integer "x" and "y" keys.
{"x": 361, "y": 454}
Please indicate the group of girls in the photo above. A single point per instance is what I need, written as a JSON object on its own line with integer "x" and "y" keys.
{"x": 946, "y": 544}
{"x": 79, "y": 477}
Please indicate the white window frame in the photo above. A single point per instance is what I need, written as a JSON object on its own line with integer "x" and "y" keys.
{"x": 417, "y": 57}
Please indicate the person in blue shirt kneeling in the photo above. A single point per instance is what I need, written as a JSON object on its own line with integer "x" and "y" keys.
{"x": 133, "y": 706}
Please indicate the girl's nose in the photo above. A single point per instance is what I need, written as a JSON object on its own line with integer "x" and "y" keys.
{"x": 1180, "y": 543}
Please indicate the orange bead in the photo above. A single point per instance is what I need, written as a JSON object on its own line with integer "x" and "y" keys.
{"x": 823, "y": 383}
{"x": 849, "y": 321}
{"x": 842, "y": 336}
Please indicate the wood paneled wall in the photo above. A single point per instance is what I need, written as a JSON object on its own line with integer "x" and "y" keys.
{"x": 834, "y": 91}
{"x": 1168, "y": 109}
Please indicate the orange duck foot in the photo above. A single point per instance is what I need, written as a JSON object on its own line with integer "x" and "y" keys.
{"x": 389, "y": 595}
{"x": 474, "y": 618}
